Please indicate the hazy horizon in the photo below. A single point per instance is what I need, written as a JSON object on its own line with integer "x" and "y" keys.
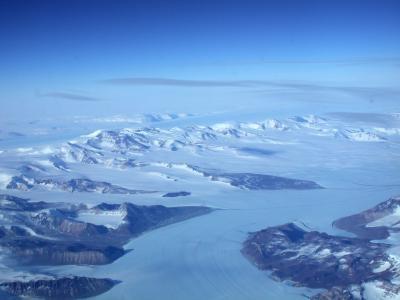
{"x": 68, "y": 58}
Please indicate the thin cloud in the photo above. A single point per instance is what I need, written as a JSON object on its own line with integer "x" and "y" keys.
{"x": 155, "y": 81}
{"x": 258, "y": 86}
{"x": 367, "y": 93}
{"x": 175, "y": 82}
{"x": 69, "y": 96}
{"x": 395, "y": 60}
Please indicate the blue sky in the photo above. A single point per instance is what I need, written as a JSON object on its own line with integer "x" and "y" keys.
{"x": 82, "y": 57}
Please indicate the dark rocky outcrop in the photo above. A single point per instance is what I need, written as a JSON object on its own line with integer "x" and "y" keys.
{"x": 60, "y": 289}
{"x": 357, "y": 223}
{"x": 337, "y": 293}
{"x": 41, "y": 233}
{"x": 253, "y": 181}
{"x": 25, "y": 183}
{"x": 177, "y": 194}
{"x": 8, "y": 202}
{"x": 37, "y": 251}
{"x": 119, "y": 141}
{"x": 314, "y": 259}
{"x": 139, "y": 219}
{"x": 265, "y": 182}
{"x": 344, "y": 266}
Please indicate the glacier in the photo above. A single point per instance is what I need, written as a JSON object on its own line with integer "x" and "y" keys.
{"x": 247, "y": 171}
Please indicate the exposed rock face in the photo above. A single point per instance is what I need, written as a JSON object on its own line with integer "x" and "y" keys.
{"x": 68, "y": 226}
{"x": 62, "y": 288}
{"x": 86, "y": 185}
{"x": 382, "y": 290}
{"x": 41, "y": 233}
{"x": 315, "y": 259}
{"x": 35, "y": 251}
{"x": 254, "y": 181}
{"x": 337, "y": 293}
{"x": 362, "y": 225}
{"x": 8, "y": 202}
{"x": 119, "y": 140}
{"x": 348, "y": 268}
{"x": 177, "y": 194}
{"x": 265, "y": 182}
{"x": 25, "y": 183}
{"x": 142, "y": 218}
{"x": 20, "y": 183}
{"x": 73, "y": 152}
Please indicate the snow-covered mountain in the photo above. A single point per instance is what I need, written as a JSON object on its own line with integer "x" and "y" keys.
{"x": 138, "y": 147}
{"x": 258, "y": 171}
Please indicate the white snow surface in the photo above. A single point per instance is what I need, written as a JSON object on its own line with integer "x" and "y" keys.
{"x": 357, "y": 162}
